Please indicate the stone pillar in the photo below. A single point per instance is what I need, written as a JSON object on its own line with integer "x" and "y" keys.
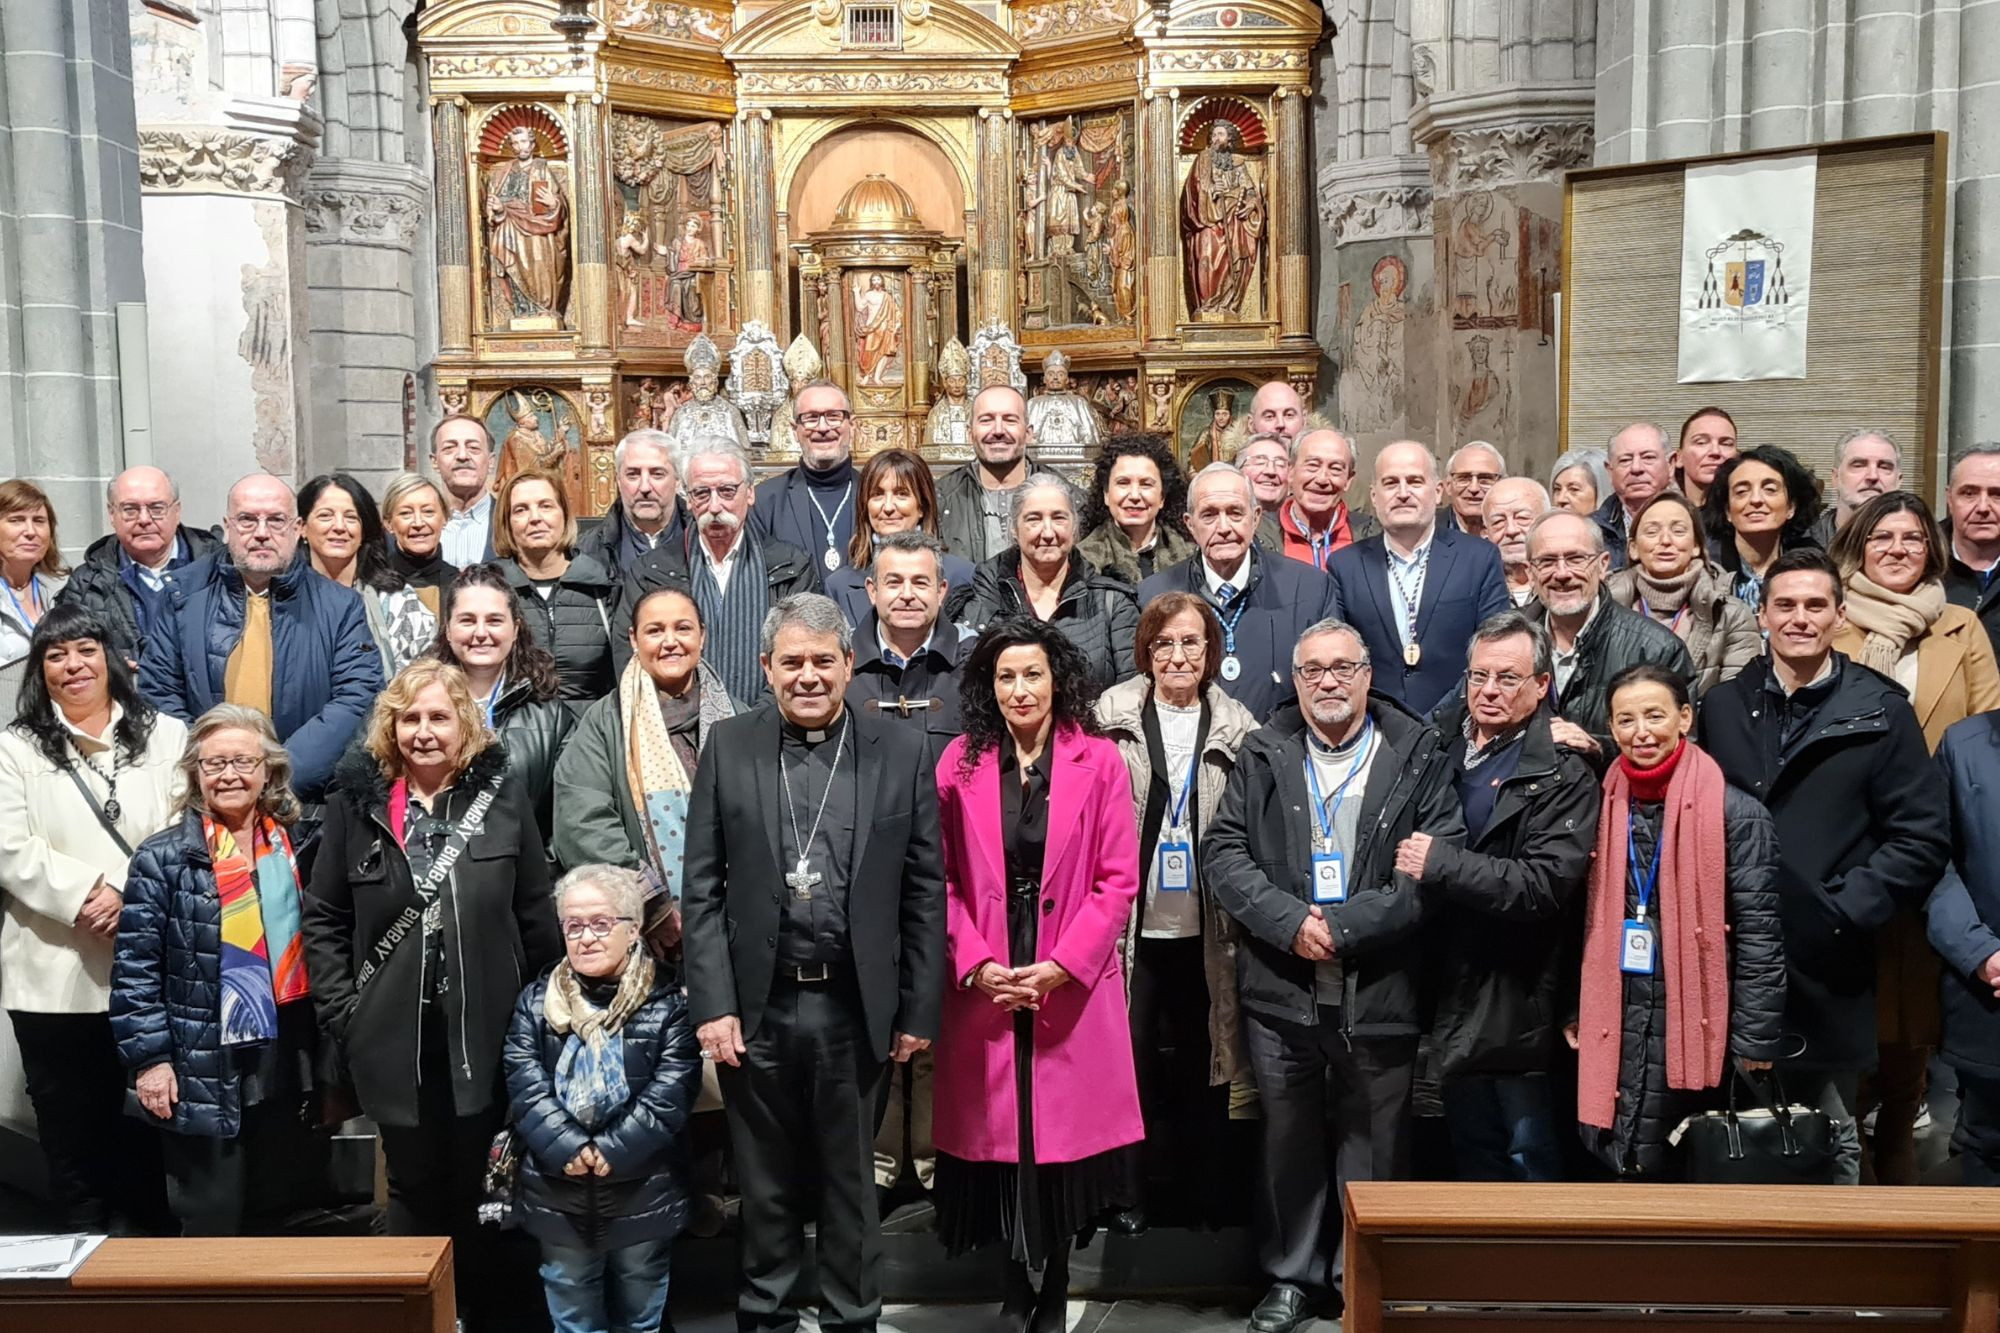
{"x": 923, "y": 292}
{"x": 1162, "y": 241}
{"x": 1294, "y": 219}
{"x": 592, "y": 248}
{"x": 69, "y": 255}
{"x": 998, "y": 203}
{"x": 1377, "y": 292}
{"x": 454, "y": 228}
{"x": 759, "y": 217}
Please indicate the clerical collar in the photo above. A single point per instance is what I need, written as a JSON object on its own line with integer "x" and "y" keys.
{"x": 794, "y": 732}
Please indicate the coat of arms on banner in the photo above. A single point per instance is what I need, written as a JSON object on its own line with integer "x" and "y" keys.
{"x": 1745, "y": 281}
{"x": 1746, "y": 268}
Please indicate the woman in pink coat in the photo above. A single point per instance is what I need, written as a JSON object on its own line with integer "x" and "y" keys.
{"x": 1037, "y": 1119}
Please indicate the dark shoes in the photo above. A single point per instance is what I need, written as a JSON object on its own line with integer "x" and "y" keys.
{"x": 1282, "y": 1310}
{"x": 1131, "y": 1222}
{"x": 1052, "y": 1310}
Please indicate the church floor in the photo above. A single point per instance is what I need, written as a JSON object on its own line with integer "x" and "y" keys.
{"x": 1084, "y": 1317}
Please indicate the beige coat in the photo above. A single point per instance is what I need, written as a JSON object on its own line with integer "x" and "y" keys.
{"x": 1720, "y": 632}
{"x": 52, "y": 853}
{"x": 1121, "y": 711}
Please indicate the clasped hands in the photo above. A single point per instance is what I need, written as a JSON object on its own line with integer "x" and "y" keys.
{"x": 589, "y": 1161}
{"x": 100, "y": 910}
{"x": 1019, "y": 987}
{"x": 1315, "y": 938}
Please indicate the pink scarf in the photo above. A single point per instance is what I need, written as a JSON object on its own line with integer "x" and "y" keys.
{"x": 1694, "y": 947}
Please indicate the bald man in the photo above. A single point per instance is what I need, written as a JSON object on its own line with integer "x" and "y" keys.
{"x": 1277, "y": 410}
{"x": 123, "y": 577}
{"x": 254, "y": 625}
{"x": 1510, "y": 509}
{"x": 1417, "y": 590}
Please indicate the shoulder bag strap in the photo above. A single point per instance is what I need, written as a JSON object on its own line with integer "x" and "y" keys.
{"x": 97, "y": 808}
{"x": 471, "y": 822}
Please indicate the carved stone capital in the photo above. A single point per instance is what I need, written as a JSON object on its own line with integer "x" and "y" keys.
{"x": 1495, "y": 157}
{"x": 363, "y": 203}
{"x": 1373, "y": 215}
{"x": 197, "y": 159}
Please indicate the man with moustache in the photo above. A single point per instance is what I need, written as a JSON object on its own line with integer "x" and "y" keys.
{"x": 811, "y": 506}
{"x": 1416, "y": 591}
{"x": 1468, "y": 475}
{"x": 976, "y": 499}
{"x": 462, "y": 457}
{"x": 1510, "y": 509}
{"x": 1315, "y": 521}
{"x": 1866, "y": 463}
{"x": 1302, "y": 855}
{"x": 737, "y": 574}
{"x": 1264, "y": 601}
{"x": 1972, "y": 533}
{"x": 123, "y": 577}
{"x": 814, "y": 909}
{"x": 1639, "y": 463}
{"x": 1276, "y": 409}
{"x": 252, "y": 624}
{"x": 648, "y": 512}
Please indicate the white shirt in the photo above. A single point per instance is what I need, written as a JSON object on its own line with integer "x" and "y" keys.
{"x": 1175, "y": 915}
{"x": 726, "y": 566}
{"x": 466, "y": 533}
{"x": 1239, "y": 580}
{"x": 1331, "y": 770}
{"x": 1406, "y": 583}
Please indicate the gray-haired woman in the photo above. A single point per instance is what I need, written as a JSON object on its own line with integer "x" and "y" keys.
{"x": 602, "y": 1073}
{"x": 210, "y": 1003}
{"x": 1580, "y": 481}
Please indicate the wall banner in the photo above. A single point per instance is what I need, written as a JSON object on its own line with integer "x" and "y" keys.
{"x": 1746, "y": 269}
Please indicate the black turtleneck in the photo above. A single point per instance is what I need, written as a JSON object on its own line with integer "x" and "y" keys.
{"x": 833, "y": 479}
{"x": 429, "y": 571}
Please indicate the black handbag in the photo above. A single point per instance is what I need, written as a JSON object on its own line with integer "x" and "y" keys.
{"x": 1775, "y": 1141}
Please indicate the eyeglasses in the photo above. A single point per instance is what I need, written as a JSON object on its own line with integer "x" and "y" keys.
{"x": 1889, "y": 541}
{"x": 597, "y": 927}
{"x": 811, "y": 419}
{"x": 700, "y": 495}
{"x": 249, "y": 523}
{"x": 1163, "y": 650}
{"x": 1506, "y": 680}
{"x": 243, "y": 765}
{"x": 1482, "y": 478}
{"x": 133, "y": 512}
{"x": 1344, "y": 672}
{"x": 1577, "y": 560}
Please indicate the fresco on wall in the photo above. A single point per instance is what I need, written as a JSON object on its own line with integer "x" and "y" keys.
{"x": 537, "y": 429}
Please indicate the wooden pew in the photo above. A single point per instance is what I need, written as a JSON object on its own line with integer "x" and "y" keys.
{"x": 319, "y": 1284}
{"x": 1428, "y": 1258}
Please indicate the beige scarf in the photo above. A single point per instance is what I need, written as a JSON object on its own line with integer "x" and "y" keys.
{"x": 1892, "y": 620}
{"x": 568, "y": 1010}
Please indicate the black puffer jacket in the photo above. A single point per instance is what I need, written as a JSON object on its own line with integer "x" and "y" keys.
{"x": 647, "y": 1195}
{"x": 533, "y": 732}
{"x": 1614, "y": 639}
{"x": 98, "y": 584}
{"x": 1510, "y": 917}
{"x": 604, "y": 539}
{"x": 499, "y": 930}
{"x": 1648, "y": 1110}
{"x": 1257, "y": 860}
{"x": 575, "y": 623}
{"x": 1097, "y": 613}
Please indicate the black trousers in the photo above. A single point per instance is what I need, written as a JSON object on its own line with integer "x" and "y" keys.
{"x": 1186, "y": 1119}
{"x": 248, "y": 1185}
{"x": 104, "y": 1166}
{"x": 1313, "y": 1080}
{"x": 801, "y": 1110}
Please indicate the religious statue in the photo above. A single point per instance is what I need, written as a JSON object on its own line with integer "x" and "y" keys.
{"x": 530, "y": 448}
{"x": 758, "y": 384}
{"x": 949, "y": 425}
{"x": 1123, "y": 233}
{"x": 687, "y": 258}
{"x": 878, "y": 331}
{"x": 1062, "y": 421}
{"x": 1059, "y": 188}
{"x": 629, "y": 253}
{"x": 1217, "y": 443}
{"x": 802, "y": 365}
{"x": 706, "y": 414}
{"x": 1222, "y": 226}
{"x": 527, "y": 239}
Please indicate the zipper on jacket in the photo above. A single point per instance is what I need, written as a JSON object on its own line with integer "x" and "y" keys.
{"x": 458, "y": 939}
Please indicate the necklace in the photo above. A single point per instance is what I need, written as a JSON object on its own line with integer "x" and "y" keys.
{"x": 803, "y": 878}
{"x": 832, "y": 556}
{"x": 112, "y": 810}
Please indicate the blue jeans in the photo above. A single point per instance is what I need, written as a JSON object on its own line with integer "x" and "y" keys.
{"x": 606, "y": 1291}
{"x": 1502, "y": 1127}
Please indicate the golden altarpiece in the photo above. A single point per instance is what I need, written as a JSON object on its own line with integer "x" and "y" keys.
{"x": 694, "y": 192}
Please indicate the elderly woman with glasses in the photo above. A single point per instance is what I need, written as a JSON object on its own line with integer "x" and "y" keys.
{"x": 601, "y": 1077}
{"x": 1179, "y": 735}
{"x": 210, "y": 990}
{"x": 428, "y": 912}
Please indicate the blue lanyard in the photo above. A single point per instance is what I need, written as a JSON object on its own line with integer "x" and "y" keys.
{"x": 34, "y": 596}
{"x": 1632, "y": 860}
{"x": 1321, "y": 550}
{"x": 1323, "y": 817}
{"x": 1229, "y": 625}
{"x": 1177, "y": 810}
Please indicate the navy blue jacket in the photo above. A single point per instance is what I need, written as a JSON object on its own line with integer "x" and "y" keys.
{"x": 1964, "y": 909}
{"x": 166, "y": 979}
{"x": 784, "y": 510}
{"x": 1463, "y": 585}
{"x": 1281, "y": 598}
{"x": 326, "y": 667}
{"x": 647, "y": 1196}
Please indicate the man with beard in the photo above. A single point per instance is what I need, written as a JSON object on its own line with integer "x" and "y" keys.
{"x": 1315, "y": 521}
{"x": 976, "y": 499}
{"x": 252, "y": 624}
{"x": 737, "y": 574}
{"x": 648, "y": 511}
{"x": 815, "y": 929}
{"x": 1302, "y": 855}
{"x": 1511, "y": 508}
{"x": 811, "y": 506}
{"x": 462, "y": 457}
{"x": 1417, "y": 590}
{"x": 1866, "y": 463}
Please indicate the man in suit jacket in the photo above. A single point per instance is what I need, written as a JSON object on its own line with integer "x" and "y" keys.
{"x": 815, "y": 955}
{"x": 1263, "y": 600}
{"x": 812, "y": 505}
{"x": 1416, "y": 591}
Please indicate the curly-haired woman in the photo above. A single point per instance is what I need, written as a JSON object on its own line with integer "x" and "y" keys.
{"x": 1134, "y": 522}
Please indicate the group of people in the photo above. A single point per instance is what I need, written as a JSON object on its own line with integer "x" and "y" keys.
{"x": 997, "y": 829}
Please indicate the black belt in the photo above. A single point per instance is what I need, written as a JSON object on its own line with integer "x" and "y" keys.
{"x": 808, "y": 974}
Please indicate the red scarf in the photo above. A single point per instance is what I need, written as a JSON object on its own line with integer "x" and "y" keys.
{"x": 1689, "y": 908}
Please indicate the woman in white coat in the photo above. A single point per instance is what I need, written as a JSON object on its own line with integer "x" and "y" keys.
{"x": 88, "y": 771}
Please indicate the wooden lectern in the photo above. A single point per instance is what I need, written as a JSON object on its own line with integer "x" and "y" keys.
{"x": 331, "y": 1284}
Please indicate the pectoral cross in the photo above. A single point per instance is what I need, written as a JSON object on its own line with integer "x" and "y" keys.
{"x": 802, "y": 880}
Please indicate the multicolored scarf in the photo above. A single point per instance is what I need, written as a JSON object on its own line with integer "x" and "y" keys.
{"x": 590, "y": 1073}
{"x": 263, "y": 954}
{"x": 659, "y": 782}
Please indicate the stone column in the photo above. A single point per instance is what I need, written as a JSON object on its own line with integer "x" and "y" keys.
{"x": 593, "y": 267}
{"x": 1293, "y": 219}
{"x": 454, "y": 228}
{"x": 993, "y": 297}
{"x": 924, "y": 292}
{"x": 1375, "y": 216}
{"x": 759, "y": 217}
{"x": 1163, "y": 283}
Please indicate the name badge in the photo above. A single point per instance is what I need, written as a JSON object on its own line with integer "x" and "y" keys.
{"x": 1636, "y": 957}
{"x": 1176, "y": 867}
{"x": 1329, "y": 877}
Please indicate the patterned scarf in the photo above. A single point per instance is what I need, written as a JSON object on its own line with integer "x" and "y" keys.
{"x": 659, "y": 782}
{"x": 735, "y": 620}
{"x": 263, "y": 954}
{"x": 590, "y": 1072}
